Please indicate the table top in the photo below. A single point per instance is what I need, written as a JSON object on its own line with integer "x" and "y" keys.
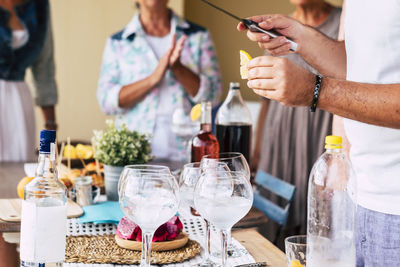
{"x": 260, "y": 248}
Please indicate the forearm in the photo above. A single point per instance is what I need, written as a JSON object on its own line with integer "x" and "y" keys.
{"x": 131, "y": 94}
{"x": 376, "y": 104}
{"x": 187, "y": 78}
{"x": 326, "y": 55}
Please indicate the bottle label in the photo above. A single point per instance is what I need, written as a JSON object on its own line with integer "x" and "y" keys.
{"x": 43, "y": 233}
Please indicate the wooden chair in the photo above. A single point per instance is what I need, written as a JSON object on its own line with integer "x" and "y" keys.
{"x": 278, "y": 187}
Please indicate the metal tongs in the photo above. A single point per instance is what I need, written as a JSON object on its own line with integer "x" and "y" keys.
{"x": 253, "y": 26}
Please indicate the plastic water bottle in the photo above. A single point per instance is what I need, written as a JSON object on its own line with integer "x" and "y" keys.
{"x": 331, "y": 209}
{"x": 44, "y": 211}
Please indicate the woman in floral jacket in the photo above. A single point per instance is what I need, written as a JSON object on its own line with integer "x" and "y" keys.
{"x": 146, "y": 74}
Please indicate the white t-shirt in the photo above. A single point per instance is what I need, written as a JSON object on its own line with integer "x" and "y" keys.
{"x": 163, "y": 140}
{"x": 372, "y": 34}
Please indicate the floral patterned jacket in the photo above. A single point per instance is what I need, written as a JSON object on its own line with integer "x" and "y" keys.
{"x": 129, "y": 58}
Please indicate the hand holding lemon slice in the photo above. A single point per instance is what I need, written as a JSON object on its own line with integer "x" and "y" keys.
{"x": 244, "y": 59}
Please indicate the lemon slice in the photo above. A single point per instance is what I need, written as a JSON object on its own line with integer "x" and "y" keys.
{"x": 195, "y": 113}
{"x": 296, "y": 263}
{"x": 244, "y": 58}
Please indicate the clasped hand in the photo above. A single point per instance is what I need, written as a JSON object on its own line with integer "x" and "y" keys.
{"x": 171, "y": 59}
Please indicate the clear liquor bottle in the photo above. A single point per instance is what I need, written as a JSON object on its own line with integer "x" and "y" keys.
{"x": 44, "y": 211}
{"x": 204, "y": 142}
{"x": 234, "y": 124}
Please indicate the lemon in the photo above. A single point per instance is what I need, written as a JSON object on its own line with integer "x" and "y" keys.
{"x": 21, "y": 186}
{"x": 195, "y": 113}
{"x": 244, "y": 58}
{"x": 296, "y": 263}
{"x": 83, "y": 151}
{"x": 70, "y": 151}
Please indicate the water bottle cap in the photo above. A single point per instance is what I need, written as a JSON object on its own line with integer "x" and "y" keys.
{"x": 333, "y": 142}
{"x": 46, "y": 137}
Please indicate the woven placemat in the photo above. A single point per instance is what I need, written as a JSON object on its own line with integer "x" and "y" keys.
{"x": 104, "y": 249}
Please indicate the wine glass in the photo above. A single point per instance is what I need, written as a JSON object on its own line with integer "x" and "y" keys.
{"x": 141, "y": 168}
{"x": 223, "y": 198}
{"x": 149, "y": 199}
{"x": 190, "y": 175}
{"x": 235, "y": 162}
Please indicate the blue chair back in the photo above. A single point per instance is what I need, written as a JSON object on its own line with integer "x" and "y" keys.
{"x": 279, "y": 187}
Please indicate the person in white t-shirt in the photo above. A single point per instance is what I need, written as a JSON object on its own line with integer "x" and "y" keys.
{"x": 361, "y": 82}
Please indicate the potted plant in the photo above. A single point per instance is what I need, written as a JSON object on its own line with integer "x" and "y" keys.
{"x": 116, "y": 148}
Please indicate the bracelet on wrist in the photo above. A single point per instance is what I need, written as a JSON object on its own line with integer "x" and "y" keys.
{"x": 317, "y": 90}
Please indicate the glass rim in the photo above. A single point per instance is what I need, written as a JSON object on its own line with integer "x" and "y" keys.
{"x": 146, "y": 167}
{"x": 224, "y": 155}
{"x": 297, "y": 237}
{"x": 234, "y": 173}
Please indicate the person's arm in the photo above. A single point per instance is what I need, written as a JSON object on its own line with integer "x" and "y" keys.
{"x": 113, "y": 97}
{"x": 43, "y": 71}
{"x": 131, "y": 94}
{"x": 326, "y": 55}
{"x": 255, "y": 159}
{"x": 284, "y": 81}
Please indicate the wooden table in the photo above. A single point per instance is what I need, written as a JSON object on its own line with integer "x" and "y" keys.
{"x": 260, "y": 248}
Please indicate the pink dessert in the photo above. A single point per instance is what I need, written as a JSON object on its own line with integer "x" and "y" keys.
{"x": 168, "y": 231}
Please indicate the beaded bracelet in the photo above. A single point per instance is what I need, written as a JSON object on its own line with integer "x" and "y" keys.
{"x": 317, "y": 89}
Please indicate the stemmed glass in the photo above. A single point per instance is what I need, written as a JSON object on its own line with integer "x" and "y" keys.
{"x": 149, "y": 199}
{"x": 235, "y": 162}
{"x": 141, "y": 168}
{"x": 190, "y": 175}
{"x": 223, "y": 198}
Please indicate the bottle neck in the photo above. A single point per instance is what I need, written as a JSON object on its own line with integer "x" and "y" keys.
{"x": 333, "y": 150}
{"x": 233, "y": 93}
{"x": 205, "y": 127}
{"x": 46, "y": 166}
{"x": 205, "y": 120}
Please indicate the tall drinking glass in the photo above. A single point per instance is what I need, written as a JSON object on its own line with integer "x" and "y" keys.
{"x": 190, "y": 175}
{"x": 235, "y": 162}
{"x": 149, "y": 199}
{"x": 223, "y": 198}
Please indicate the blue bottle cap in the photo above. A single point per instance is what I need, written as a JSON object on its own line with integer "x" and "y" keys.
{"x": 46, "y": 137}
